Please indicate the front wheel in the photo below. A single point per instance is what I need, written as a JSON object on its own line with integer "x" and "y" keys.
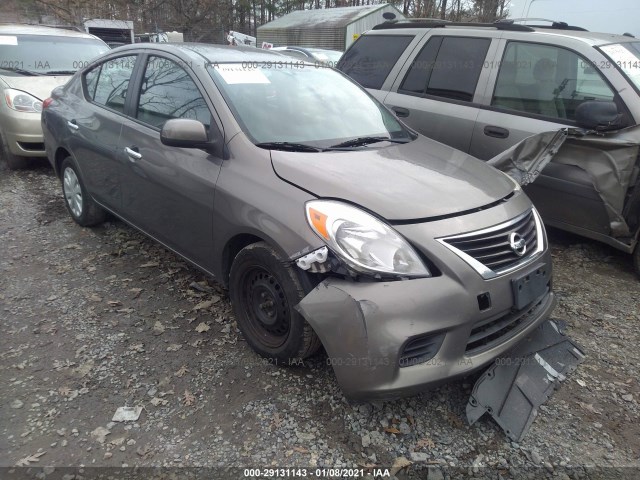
{"x": 264, "y": 290}
{"x": 80, "y": 205}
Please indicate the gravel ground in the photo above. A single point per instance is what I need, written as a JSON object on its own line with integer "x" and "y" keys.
{"x": 96, "y": 319}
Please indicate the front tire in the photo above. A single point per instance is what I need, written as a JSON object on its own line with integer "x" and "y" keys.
{"x": 264, "y": 290}
{"x": 80, "y": 205}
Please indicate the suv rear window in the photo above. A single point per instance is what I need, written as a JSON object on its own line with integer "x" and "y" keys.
{"x": 447, "y": 67}
{"x": 372, "y": 57}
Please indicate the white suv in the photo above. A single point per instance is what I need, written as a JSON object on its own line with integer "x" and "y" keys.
{"x": 483, "y": 88}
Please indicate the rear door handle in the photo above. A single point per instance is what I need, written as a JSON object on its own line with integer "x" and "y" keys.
{"x": 401, "y": 112}
{"x": 497, "y": 132}
{"x": 132, "y": 153}
{"x": 72, "y": 125}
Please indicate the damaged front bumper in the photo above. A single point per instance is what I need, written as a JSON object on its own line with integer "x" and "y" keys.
{"x": 388, "y": 339}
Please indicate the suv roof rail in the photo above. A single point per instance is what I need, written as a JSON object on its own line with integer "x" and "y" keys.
{"x": 436, "y": 23}
{"x": 425, "y": 19}
{"x": 556, "y": 25}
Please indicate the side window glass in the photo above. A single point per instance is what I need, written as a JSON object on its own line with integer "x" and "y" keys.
{"x": 169, "y": 92}
{"x": 113, "y": 82}
{"x": 415, "y": 82}
{"x": 457, "y": 68}
{"x": 372, "y": 57}
{"x": 547, "y": 80}
{"x": 91, "y": 82}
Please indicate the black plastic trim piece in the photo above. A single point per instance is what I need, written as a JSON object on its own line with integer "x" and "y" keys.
{"x": 426, "y": 24}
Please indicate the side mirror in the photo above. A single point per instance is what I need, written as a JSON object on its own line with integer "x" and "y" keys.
{"x": 599, "y": 116}
{"x": 185, "y": 133}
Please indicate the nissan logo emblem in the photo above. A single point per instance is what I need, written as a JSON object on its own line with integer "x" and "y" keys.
{"x": 517, "y": 243}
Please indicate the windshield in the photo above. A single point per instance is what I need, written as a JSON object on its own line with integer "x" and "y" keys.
{"x": 626, "y": 56}
{"x": 47, "y": 54}
{"x": 293, "y": 102}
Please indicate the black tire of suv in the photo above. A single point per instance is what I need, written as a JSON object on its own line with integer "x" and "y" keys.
{"x": 91, "y": 213}
{"x": 636, "y": 259}
{"x": 264, "y": 288}
{"x": 13, "y": 162}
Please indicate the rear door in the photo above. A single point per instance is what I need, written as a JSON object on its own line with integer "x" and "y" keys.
{"x": 168, "y": 191}
{"x": 95, "y": 127}
{"x": 437, "y": 90}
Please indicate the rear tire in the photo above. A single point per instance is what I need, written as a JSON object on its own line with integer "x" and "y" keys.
{"x": 636, "y": 259}
{"x": 264, "y": 289}
{"x": 14, "y": 162}
{"x": 80, "y": 205}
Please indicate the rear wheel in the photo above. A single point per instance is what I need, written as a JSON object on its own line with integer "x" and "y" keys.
{"x": 264, "y": 290}
{"x": 79, "y": 204}
{"x": 14, "y": 162}
{"x": 636, "y": 259}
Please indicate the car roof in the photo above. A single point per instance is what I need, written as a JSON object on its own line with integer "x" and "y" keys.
{"x": 211, "y": 53}
{"x": 512, "y": 30}
{"x": 21, "y": 29}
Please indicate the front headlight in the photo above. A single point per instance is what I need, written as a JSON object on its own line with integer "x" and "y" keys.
{"x": 22, "y": 101}
{"x": 365, "y": 243}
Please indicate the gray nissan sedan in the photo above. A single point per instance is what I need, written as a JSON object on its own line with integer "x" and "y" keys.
{"x": 331, "y": 223}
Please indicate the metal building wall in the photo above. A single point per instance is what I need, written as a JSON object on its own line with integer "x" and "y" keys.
{"x": 331, "y": 38}
{"x": 368, "y": 22}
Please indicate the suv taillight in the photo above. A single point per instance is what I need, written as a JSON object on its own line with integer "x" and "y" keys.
{"x": 47, "y": 102}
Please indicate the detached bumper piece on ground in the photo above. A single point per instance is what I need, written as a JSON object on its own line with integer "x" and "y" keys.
{"x": 517, "y": 384}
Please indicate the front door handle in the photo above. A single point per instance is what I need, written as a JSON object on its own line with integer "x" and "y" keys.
{"x": 400, "y": 111}
{"x": 133, "y": 153}
{"x": 497, "y": 132}
{"x": 72, "y": 125}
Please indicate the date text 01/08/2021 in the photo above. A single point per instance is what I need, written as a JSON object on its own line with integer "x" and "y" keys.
{"x": 260, "y": 473}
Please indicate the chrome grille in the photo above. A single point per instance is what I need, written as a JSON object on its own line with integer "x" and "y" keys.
{"x": 489, "y": 250}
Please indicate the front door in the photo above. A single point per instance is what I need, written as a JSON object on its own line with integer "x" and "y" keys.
{"x": 168, "y": 192}
{"x": 537, "y": 89}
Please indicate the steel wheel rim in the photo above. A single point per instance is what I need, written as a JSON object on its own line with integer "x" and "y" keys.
{"x": 72, "y": 191}
{"x": 266, "y": 307}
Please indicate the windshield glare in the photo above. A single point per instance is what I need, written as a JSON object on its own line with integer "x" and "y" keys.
{"x": 42, "y": 54}
{"x": 626, "y": 56}
{"x": 292, "y": 102}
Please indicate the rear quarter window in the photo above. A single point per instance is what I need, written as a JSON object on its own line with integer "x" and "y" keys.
{"x": 107, "y": 84}
{"x": 372, "y": 57}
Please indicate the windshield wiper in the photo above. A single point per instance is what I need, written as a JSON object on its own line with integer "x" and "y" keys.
{"x": 59, "y": 72}
{"x": 360, "y": 141}
{"x": 22, "y": 71}
{"x": 292, "y": 147}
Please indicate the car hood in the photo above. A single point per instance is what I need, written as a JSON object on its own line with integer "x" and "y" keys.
{"x": 39, "y": 87}
{"x": 417, "y": 180}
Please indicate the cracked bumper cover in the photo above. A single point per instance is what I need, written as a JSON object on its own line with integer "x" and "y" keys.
{"x": 363, "y": 327}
